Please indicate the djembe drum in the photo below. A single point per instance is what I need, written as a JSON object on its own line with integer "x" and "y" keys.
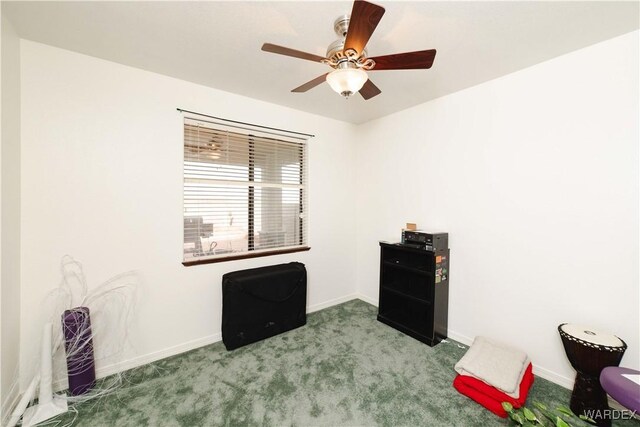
{"x": 589, "y": 352}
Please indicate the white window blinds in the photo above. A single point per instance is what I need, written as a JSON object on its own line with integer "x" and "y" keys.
{"x": 244, "y": 191}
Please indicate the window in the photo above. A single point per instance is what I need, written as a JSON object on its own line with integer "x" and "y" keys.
{"x": 244, "y": 192}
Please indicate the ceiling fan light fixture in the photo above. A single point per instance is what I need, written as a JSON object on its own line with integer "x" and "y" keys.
{"x": 347, "y": 81}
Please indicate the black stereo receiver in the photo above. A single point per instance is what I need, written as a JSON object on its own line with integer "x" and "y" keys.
{"x": 429, "y": 241}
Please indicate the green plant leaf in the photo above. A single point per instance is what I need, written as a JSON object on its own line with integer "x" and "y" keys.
{"x": 539, "y": 405}
{"x": 528, "y": 414}
{"x": 507, "y": 406}
{"x": 565, "y": 411}
{"x": 548, "y": 414}
{"x": 519, "y": 419}
{"x": 545, "y": 422}
{"x": 513, "y": 416}
{"x": 561, "y": 423}
{"x": 584, "y": 417}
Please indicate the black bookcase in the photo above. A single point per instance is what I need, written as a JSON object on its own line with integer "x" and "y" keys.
{"x": 414, "y": 291}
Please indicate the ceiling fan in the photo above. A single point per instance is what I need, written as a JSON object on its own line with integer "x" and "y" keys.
{"x": 348, "y": 57}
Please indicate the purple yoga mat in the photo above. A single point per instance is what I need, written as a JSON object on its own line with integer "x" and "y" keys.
{"x": 76, "y": 325}
{"x": 624, "y": 390}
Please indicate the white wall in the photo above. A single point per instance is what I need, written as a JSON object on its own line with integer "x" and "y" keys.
{"x": 102, "y": 181}
{"x": 10, "y": 222}
{"x": 535, "y": 177}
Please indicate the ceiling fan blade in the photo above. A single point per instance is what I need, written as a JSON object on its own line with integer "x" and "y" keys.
{"x": 369, "y": 90}
{"x": 311, "y": 84}
{"x": 363, "y": 22}
{"x": 405, "y": 61}
{"x": 281, "y": 50}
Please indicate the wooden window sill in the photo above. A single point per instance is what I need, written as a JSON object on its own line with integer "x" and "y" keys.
{"x": 244, "y": 255}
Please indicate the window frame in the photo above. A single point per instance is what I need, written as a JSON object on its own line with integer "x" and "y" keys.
{"x": 303, "y": 206}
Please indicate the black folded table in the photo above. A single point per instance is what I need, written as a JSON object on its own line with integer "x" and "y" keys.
{"x": 262, "y": 302}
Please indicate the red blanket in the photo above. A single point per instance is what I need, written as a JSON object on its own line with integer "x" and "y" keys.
{"x": 490, "y": 397}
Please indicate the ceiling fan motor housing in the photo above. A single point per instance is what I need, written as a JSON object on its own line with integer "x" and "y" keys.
{"x": 341, "y": 25}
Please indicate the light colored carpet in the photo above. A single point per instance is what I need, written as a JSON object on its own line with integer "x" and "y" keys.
{"x": 342, "y": 368}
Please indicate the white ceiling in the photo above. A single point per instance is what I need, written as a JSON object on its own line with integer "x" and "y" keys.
{"x": 218, "y": 44}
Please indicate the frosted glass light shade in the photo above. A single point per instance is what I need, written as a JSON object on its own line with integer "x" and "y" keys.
{"x": 347, "y": 81}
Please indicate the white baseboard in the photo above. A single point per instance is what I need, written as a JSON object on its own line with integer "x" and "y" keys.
{"x": 366, "y": 299}
{"x": 462, "y": 339}
{"x": 553, "y": 377}
{"x": 200, "y": 342}
{"x": 331, "y": 303}
{"x": 114, "y": 368}
{"x": 105, "y": 371}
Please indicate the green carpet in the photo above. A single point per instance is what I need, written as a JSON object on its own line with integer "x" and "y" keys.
{"x": 342, "y": 368}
